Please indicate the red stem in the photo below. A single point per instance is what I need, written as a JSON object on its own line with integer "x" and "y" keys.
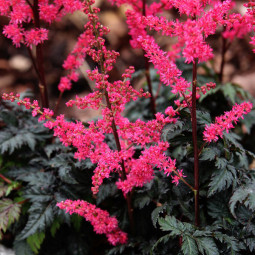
{"x": 223, "y": 51}
{"x": 194, "y": 138}
{"x": 5, "y": 179}
{"x": 39, "y": 59}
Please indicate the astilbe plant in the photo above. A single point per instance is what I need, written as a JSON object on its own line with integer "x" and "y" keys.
{"x": 144, "y": 138}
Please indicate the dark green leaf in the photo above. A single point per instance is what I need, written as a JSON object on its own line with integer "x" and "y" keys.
{"x": 171, "y": 130}
{"x": 170, "y": 223}
{"x": 189, "y": 246}
{"x": 229, "y": 91}
{"x": 206, "y": 245}
{"x": 156, "y": 213}
{"x": 221, "y": 163}
{"x": 250, "y": 243}
{"x": 203, "y": 118}
{"x": 40, "y": 217}
{"x": 39, "y": 179}
{"x": 209, "y": 154}
{"x": 231, "y": 242}
{"x": 65, "y": 175}
{"x": 232, "y": 138}
{"x": 9, "y": 142}
{"x": 244, "y": 194}
{"x": 141, "y": 201}
{"x": 221, "y": 179}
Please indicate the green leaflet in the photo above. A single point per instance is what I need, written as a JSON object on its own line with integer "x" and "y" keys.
{"x": 9, "y": 212}
{"x": 35, "y": 241}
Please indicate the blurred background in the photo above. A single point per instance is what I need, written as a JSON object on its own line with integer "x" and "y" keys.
{"x": 17, "y": 74}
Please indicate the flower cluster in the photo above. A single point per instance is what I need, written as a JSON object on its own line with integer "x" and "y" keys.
{"x": 25, "y": 18}
{"x": 224, "y": 123}
{"x": 45, "y": 114}
{"x": 101, "y": 221}
{"x": 251, "y": 13}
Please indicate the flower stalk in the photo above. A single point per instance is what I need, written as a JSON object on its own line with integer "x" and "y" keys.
{"x": 195, "y": 146}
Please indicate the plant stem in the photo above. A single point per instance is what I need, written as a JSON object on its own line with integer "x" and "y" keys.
{"x": 58, "y": 102}
{"x": 194, "y": 138}
{"x": 39, "y": 59}
{"x": 147, "y": 73}
{"x": 201, "y": 148}
{"x": 5, "y": 179}
{"x": 33, "y": 62}
{"x": 223, "y": 51}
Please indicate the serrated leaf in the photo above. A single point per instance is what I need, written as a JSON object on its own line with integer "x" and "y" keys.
{"x": 11, "y": 187}
{"x": 39, "y": 179}
{"x": 221, "y": 163}
{"x": 171, "y": 130}
{"x": 36, "y": 194}
{"x": 189, "y": 246}
{"x": 232, "y": 138}
{"x": 245, "y": 195}
{"x": 217, "y": 207}
{"x": 249, "y": 121}
{"x": 65, "y": 175}
{"x": 231, "y": 242}
{"x": 9, "y": 212}
{"x": 141, "y": 201}
{"x": 9, "y": 142}
{"x": 250, "y": 243}
{"x": 49, "y": 149}
{"x": 229, "y": 91}
{"x": 156, "y": 213}
{"x": 35, "y": 241}
{"x": 203, "y": 117}
{"x": 208, "y": 154}
{"x": 206, "y": 245}
{"x": 170, "y": 223}
{"x": 221, "y": 179}
{"x": 40, "y": 217}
